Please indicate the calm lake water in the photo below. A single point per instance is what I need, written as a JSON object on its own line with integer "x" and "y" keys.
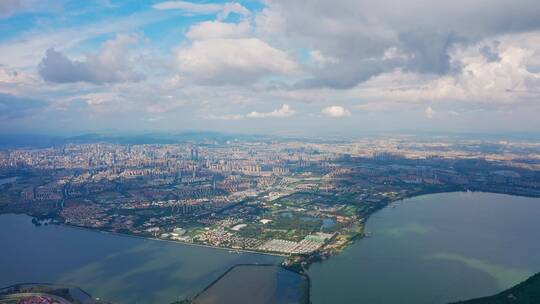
{"x": 248, "y": 284}
{"x": 436, "y": 249}
{"x": 430, "y": 249}
{"x": 117, "y": 268}
{"x": 7, "y": 180}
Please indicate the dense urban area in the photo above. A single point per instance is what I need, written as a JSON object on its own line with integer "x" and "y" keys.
{"x": 305, "y": 200}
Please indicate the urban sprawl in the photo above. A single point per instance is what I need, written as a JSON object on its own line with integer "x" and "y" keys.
{"x": 302, "y": 199}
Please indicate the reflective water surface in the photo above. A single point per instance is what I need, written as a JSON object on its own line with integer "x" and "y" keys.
{"x": 429, "y": 249}
{"x": 436, "y": 249}
{"x": 250, "y": 284}
{"x": 118, "y": 268}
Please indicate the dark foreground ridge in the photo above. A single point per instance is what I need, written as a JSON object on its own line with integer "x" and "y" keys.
{"x": 526, "y": 292}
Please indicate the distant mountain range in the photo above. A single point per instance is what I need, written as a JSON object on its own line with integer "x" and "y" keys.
{"x": 199, "y": 137}
{"x": 40, "y": 141}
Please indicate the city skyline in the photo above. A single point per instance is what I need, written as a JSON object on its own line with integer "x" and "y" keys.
{"x": 342, "y": 68}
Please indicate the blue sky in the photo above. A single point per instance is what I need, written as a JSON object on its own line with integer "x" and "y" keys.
{"x": 286, "y": 67}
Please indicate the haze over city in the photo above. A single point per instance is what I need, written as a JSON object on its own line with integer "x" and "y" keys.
{"x": 270, "y": 67}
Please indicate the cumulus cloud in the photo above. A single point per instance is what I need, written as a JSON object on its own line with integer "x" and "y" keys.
{"x": 360, "y": 32}
{"x": 233, "y": 61}
{"x": 111, "y": 64}
{"x": 318, "y": 57}
{"x": 489, "y": 52}
{"x": 217, "y": 29}
{"x": 11, "y": 78}
{"x": 8, "y": 76}
{"x": 223, "y": 10}
{"x": 12, "y": 107}
{"x": 336, "y": 112}
{"x": 496, "y": 71}
{"x": 232, "y": 7}
{"x": 392, "y": 57}
{"x": 284, "y": 111}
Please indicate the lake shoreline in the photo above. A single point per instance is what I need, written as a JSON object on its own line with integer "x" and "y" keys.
{"x": 305, "y": 273}
{"x": 358, "y": 259}
{"x": 355, "y": 238}
{"x": 231, "y": 250}
{"x": 362, "y": 235}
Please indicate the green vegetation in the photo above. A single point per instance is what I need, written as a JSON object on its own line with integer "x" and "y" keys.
{"x": 292, "y": 228}
{"x": 527, "y": 292}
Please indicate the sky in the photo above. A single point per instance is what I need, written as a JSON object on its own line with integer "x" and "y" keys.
{"x": 280, "y": 67}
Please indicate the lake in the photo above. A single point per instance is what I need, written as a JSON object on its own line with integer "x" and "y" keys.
{"x": 7, "y": 180}
{"x": 430, "y": 249}
{"x": 118, "y": 268}
{"x": 250, "y": 284}
{"x": 435, "y": 249}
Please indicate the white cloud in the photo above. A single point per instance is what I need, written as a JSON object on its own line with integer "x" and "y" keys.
{"x": 199, "y": 8}
{"x": 26, "y": 50}
{"x": 507, "y": 79}
{"x": 318, "y": 57}
{"x": 336, "y": 112}
{"x": 110, "y": 65}
{"x": 11, "y": 78}
{"x": 508, "y": 75}
{"x": 216, "y": 29}
{"x": 361, "y": 51}
{"x": 374, "y": 38}
{"x": 284, "y": 111}
{"x": 223, "y": 10}
{"x": 103, "y": 102}
{"x": 232, "y": 7}
{"x": 233, "y": 61}
{"x": 395, "y": 53}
